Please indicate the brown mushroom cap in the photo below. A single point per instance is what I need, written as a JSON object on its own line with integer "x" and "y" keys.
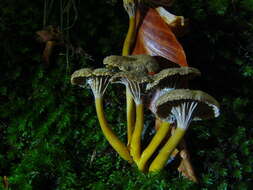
{"x": 79, "y": 76}
{"x": 133, "y": 76}
{"x": 102, "y": 72}
{"x": 97, "y": 79}
{"x": 142, "y": 63}
{"x": 207, "y": 106}
{"x": 134, "y": 82}
{"x": 164, "y": 78}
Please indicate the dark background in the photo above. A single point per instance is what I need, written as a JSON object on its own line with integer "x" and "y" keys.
{"x": 49, "y": 134}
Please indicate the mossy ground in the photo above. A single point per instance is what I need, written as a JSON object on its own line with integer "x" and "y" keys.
{"x": 49, "y": 134}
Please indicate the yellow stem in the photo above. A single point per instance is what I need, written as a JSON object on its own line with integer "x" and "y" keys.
{"x": 162, "y": 157}
{"x": 135, "y": 148}
{"x": 155, "y": 142}
{"x": 128, "y": 43}
{"x": 130, "y": 116}
{"x": 130, "y": 37}
{"x": 109, "y": 134}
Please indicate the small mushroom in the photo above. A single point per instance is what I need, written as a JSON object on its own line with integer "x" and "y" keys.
{"x": 98, "y": 80}
{"x": 163, "y": 82}
{"x": 185, "y": 105}
{"x": 133, "y": 82}
{"x": 79, "y": 77}
{"x": 185, "y": 100}
{"x": 167, "y": 80}
{"x": 139, "y": 63}
{"x": 172, "y": 77}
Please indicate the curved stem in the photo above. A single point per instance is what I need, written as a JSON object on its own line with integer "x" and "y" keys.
{"x": 162, "y": 157}
{"x": 155, "y": 142}
{"x": 130, "y": 37}
{"x": 109, "y": 134}
{"x": 135, "y": 147}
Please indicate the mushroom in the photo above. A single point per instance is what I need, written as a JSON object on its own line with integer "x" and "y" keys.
{"x": 185, "y": 105}
{"x": 167, "y": 80}
{"x": 98, "y": 80}
{"x": 80, "y": 76}
{"x": 164, "y": 82}
{"x": 140, "y": 63}
{"x": 130, "y": 7}
{"x": 134, "y": 82}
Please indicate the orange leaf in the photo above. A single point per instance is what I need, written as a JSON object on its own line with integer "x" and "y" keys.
{"x": 155, "y": 37}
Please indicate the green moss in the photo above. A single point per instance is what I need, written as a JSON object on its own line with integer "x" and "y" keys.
{"x": 49, "y": 133}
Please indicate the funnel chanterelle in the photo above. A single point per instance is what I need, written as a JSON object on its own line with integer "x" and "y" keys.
{"x": 97, "y": 79}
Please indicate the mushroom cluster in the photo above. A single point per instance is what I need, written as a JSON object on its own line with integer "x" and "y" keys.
{"x": 163, "y": 91}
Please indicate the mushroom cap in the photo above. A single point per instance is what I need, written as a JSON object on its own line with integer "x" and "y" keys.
{"x": 207, "y": 107}
{"x": 162, "y": 78}
{"x": 102, "y": 72}
{"x": 134, "y": 76}
{"x": 142, "y": 63}
{"x": 79, "y": 76}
